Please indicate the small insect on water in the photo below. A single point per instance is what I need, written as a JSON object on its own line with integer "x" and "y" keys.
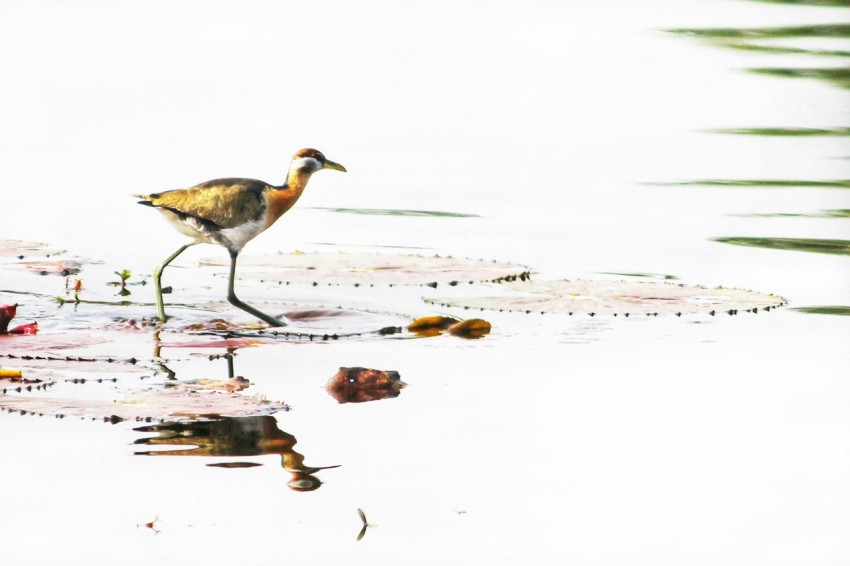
{"x": 151, "y": 525}
{"x": 366, "y": 524}
{"x": 231, "y": 212}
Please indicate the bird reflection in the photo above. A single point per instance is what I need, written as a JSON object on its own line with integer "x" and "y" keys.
{"x": 232, "y": 436}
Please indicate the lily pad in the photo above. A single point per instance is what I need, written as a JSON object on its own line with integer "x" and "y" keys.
{"x": 20, "y": 249}
{"x": 614, "y": 298}
{"x": 371, "y": 269}
{"x": 179, "y": 400}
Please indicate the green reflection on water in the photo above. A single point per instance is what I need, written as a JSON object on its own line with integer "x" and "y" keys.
{"x": 833, "y": 3}
{"x": 824, "y": 30}
{"x": 841, "y": 213}
{"x": 834, "y": 310}
{"x": 803, "y": 132}
{"x": 838, "y": 75}
{"x": 837, "y": 247}
{"x": 397, "y": 212}
{"x": 771, "y": 183}
{"x": 745, "y": 38}
{"x": 757, "y": 39}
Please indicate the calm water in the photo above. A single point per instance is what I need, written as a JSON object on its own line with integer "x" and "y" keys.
{"x": 582, "y": 140}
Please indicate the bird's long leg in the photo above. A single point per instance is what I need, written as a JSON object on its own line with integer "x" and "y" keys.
{"x": 157, "y": 280}
{"x": 234, "y": 300}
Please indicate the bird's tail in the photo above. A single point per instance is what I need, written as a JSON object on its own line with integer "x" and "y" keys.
{"x": 145, "y": 200}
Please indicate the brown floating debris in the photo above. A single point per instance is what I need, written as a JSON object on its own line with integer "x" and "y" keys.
{"x": 434, "y": 325}
{"x": 431, "y": 325}
{"x": 358, "y": 385}
{"x": 10, "y": 374}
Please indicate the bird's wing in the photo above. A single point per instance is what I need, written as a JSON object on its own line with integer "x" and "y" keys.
{"x": 225, "y": 202}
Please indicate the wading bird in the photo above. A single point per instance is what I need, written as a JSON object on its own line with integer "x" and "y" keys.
{"x": 230, "y": 213}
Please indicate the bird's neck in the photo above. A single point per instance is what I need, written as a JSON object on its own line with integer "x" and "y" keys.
{"x": 297, "y": 179}
{"x": 283, "y": 198}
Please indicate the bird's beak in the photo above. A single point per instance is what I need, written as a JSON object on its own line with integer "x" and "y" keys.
{"x": 331, "y": 165}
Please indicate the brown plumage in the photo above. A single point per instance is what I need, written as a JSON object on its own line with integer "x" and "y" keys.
{"x": 231, "y": 212}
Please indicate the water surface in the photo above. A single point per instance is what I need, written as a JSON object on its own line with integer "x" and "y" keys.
{"x": 582, "y": 140}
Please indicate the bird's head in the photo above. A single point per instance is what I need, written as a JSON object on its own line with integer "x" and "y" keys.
{"x": 308, "y": 161}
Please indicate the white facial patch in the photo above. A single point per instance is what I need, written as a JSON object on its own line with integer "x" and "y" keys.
{"x": 305, "y": 165}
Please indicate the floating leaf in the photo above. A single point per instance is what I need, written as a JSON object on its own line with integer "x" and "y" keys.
{"x": 372, "y": 269}
{"x": 150, "y": 403}
{"x": 614, "y": 297}
{"x": 63, "y": 267}
{"x": 20, "y": 249}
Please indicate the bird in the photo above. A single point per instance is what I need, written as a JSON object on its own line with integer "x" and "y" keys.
{"x": 231, "y": 212}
